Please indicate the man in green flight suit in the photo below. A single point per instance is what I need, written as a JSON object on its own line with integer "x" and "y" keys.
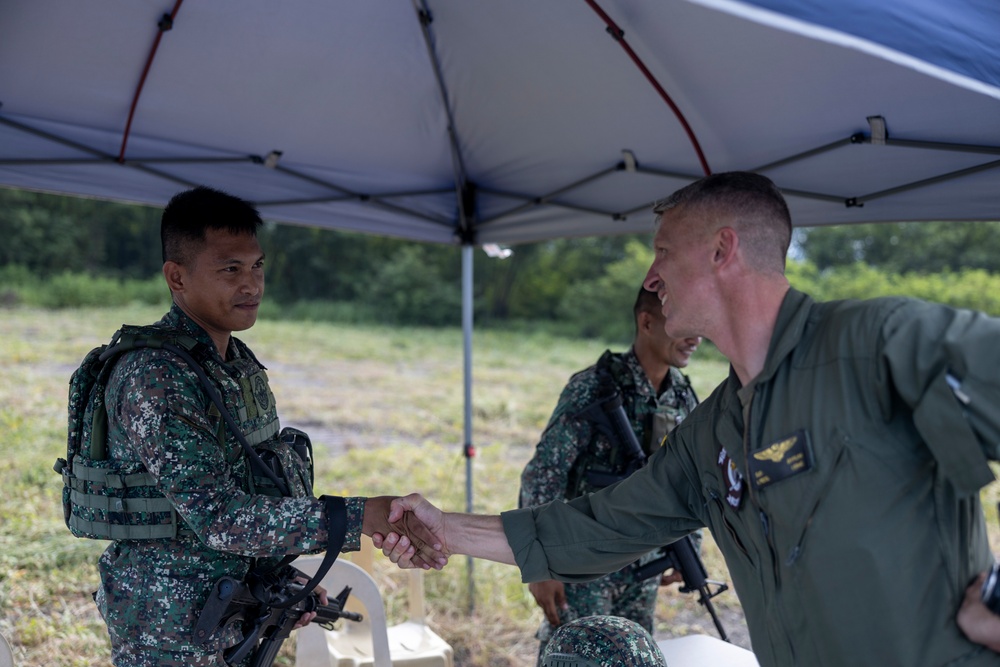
{"x": 161, "y": 422}
{"x": 574, "y": 454}
{"x": 838, "y": 467}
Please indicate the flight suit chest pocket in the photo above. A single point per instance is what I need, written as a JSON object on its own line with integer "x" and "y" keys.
{"x": 783, "y": 459}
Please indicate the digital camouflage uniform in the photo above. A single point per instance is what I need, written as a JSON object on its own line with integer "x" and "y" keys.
{"x": 160, "y": 419}
{"x": 602, "y": 641}
{"x": 571, "y": 445}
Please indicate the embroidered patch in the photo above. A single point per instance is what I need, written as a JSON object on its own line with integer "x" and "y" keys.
{"x": 734, "y": 480}
{"x": 261, "y": 393}
{"x": 785, "y": 458}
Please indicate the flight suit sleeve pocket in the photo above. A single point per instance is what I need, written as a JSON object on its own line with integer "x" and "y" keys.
{"x": 941, "y": 421}
{"x": 982, "y": 408}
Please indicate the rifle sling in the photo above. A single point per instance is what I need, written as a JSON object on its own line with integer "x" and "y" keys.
{"x": 336, "y": 517}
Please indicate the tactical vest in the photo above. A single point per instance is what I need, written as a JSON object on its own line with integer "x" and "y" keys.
{"x": 650, "y": 429}
{"x": 115, "y": 499}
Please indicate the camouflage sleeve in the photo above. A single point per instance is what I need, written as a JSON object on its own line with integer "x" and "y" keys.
{"x": 161, "y": 410}
{"x": 355, "y": 514}
{"x": 564, "y": 439}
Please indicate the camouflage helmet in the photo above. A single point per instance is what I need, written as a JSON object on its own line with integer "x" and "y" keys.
{"x": 602, "y": 641}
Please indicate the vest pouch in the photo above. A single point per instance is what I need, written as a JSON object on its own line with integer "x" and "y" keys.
{"x": 289, "y": 457}
{"x": 114, "y": 500}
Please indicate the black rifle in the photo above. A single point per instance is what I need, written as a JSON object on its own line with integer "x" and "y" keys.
{"x": 683, "y": 558}
{"x": 609, "y": 417}
{"x": 260, "y": 603}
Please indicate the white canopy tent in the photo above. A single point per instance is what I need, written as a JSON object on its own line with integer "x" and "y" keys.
{"x": 476, "y": 122}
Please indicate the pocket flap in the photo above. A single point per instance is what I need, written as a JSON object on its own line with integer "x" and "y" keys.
{"x": 942, "y": 423}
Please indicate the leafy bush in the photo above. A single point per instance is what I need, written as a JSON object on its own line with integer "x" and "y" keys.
{"x": 77, "y": 290}
{"x": 405, "y": 290}
{"x": 602, "y": 308}
{"x": 971, "y": 288}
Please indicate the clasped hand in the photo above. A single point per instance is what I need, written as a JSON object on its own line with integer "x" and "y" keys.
{"x": 412, "y": 534}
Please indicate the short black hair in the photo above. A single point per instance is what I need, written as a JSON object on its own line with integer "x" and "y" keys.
{"x": 190, "y": 213}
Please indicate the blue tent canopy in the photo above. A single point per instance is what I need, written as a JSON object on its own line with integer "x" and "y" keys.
{"x": 959, "y": 39}
{"x": 473, "y": 122}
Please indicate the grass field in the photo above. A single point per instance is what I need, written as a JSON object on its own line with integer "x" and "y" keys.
{"x": 384, "y": 407}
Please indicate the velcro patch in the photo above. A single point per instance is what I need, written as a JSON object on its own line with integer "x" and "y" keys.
{"x": 785, "y": 458}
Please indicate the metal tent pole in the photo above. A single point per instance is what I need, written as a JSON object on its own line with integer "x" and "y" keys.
{"x": 469, "y": 448}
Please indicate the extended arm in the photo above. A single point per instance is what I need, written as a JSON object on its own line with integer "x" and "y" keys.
{"x": 158, "y": 411}
{"x": 158, "y": 415}
{"x": 477, "y": 535}
{"x": 547, "y": 476}
{"x": 577, "y": 541}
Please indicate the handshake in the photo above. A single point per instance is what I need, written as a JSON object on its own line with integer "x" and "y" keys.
{"x": 413, "y": 533}
{"x": 409, "y": 538}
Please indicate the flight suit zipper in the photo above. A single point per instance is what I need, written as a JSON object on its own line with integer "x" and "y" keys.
{"x": 764, "y": 520}
{"x": 796, "y": 551}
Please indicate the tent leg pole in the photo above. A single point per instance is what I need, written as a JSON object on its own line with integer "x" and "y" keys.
{"x": 470, "y": 452}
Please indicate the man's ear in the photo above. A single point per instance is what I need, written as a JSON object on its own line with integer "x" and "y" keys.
{"x": 174, "y": 275}
{"x": 645, "y": 321}
{"x": 726, "y": 244}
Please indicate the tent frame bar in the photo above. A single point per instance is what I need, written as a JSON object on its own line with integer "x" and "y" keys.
{"x": 468, "y": 192}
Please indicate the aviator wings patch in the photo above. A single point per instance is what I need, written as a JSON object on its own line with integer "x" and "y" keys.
{"x": 775, "y": 452}
{"x": 789, "y": 456}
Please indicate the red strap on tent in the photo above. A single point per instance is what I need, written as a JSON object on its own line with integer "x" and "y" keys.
{"x": 619, "y": 36}
{"x": 165, "y": 23}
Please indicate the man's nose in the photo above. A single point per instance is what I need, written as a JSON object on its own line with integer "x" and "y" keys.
{"x": 253, "y": 285}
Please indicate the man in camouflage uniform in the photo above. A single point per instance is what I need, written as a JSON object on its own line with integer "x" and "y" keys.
{"x": 656, "y": 396}
{"x": 161, "y": 421}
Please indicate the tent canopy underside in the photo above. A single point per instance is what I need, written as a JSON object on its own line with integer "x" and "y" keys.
{"x": 505, "y": 122}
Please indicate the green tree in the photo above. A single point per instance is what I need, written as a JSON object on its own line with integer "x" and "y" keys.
{"x": 412, "y": 290}
{"x": 51, "y": 234}
{"x": 602, "y": 307}
{"x": 534, "y": 282}
{"x": 929, "y": 247}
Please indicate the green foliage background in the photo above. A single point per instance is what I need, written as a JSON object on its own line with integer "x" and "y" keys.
{"x": 62, "y": 252}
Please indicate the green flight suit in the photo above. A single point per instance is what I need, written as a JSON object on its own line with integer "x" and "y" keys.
{"x": 850, "y": 517}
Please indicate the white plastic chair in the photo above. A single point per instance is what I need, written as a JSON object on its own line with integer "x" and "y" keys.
{"x": 6, "y": 654}
{"x": 699, "y": 650}
{"x": 369, "y": 642}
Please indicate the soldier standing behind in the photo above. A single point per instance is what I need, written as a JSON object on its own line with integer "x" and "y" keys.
{"x": 656, "y": 397}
